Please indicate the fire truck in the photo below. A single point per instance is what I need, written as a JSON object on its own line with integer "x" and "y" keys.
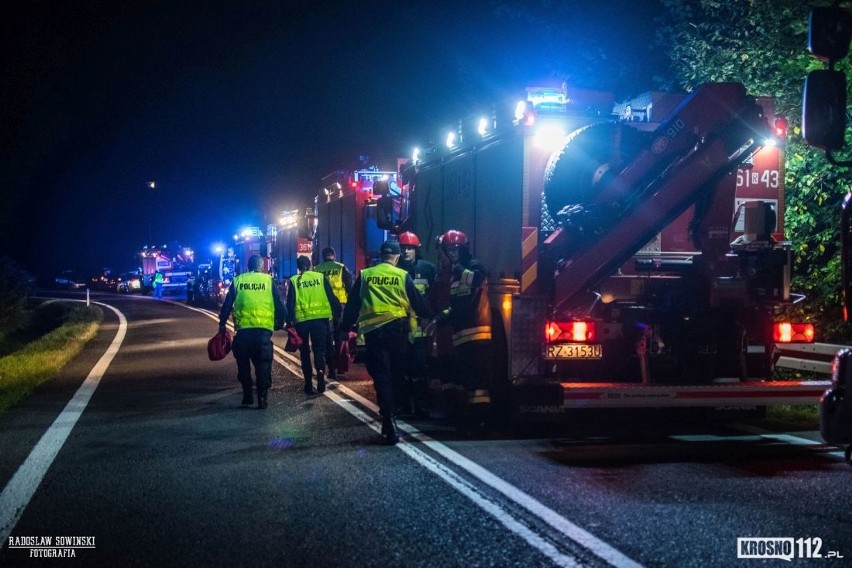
{"x": 635, "y": 249}
{"x": 346, "y": 215}
{"x": 173, "y": 261}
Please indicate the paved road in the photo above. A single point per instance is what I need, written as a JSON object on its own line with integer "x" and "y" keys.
{"x": 154, "y": 463}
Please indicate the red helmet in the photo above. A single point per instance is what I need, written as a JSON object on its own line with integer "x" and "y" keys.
{"x": 410, "y": 239}
{"x": 453, "y": 237}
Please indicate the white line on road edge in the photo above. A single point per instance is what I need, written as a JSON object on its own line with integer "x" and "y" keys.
{"x": 573, "y": 532}
{"x": 20, "y": 489}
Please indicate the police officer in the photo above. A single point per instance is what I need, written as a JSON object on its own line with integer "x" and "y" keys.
{"x": 411, "y": 386}
{"x": 341, "y": 282}
{"x": 381, "y": 299}
{"x": 311, "y": 305}
{"x": 469, "y": 314}
{"x": 258, "y": 311}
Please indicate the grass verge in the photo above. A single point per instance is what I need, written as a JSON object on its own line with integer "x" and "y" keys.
{"x": 795, "y": 417}
{"x": 41, "y": 359}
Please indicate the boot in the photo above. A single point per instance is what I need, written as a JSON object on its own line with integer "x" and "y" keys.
{"x": 248, "y": 397}
{"x": 320, "y": 382}
{"x": 261, "y": 399}
{"x": 309, "y": 387}
{"x": 389, "y": 430}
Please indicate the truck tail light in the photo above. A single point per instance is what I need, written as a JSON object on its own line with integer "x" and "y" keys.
{"x": 786, "y": 332}
{"x": 574, "y": 331}
{"x": 781, "y": 128}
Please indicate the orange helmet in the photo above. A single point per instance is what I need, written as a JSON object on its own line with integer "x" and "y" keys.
{"x": 410, "y": 239}
{"x": 453, "y": 237}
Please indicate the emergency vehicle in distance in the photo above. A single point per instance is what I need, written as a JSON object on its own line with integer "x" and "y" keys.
{"x": 635, "y": 250}
{"x": 174, "y": 261}
{"x": 346, "y": 215}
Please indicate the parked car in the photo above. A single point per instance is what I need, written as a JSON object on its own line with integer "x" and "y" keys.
{"x": 69, "y": 280}
{"x": 127, "y": 283}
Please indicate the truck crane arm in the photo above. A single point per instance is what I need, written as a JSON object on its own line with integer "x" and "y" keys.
{"x": 705, "y": 138}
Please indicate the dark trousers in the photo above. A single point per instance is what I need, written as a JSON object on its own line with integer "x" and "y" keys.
{"x": 386, "y": 349}
{"x": 473, "y": 365}
{"x": 253, "y": 346}
{"x": 314, "y": 334}
{"x": 331, "y": 346}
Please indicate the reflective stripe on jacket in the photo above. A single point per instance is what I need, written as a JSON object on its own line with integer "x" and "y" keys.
{"x": 311, "y": 301}
{"x": 253, "y": 303}
{"x": 470, "y": 309}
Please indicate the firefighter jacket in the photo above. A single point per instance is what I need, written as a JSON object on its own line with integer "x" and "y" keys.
{"x": 382, "y": 294}
{"x": 311, "y": 297}
{"x": 254, "y": 300}
{"x": 469, "y": 311}
{"x": 423, "y": 274}
{"x": 338, "y": 276}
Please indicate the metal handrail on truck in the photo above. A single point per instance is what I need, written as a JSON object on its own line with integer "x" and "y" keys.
{"x": 810, "y": 357}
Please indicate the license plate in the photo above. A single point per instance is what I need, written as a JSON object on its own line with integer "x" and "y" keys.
{"x": 573, "y": 351}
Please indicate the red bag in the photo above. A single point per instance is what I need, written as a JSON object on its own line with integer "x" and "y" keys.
{"x": 220, "y": 345}
{"x": 293, "y": 340}
{"x": 342, "y": 362}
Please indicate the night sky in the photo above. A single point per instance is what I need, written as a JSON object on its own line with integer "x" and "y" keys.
{"x": 238, "y": 109}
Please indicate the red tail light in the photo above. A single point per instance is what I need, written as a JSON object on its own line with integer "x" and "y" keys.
{"x": 781, "y": 128}
{"x": 786, "y": 332}
{"x": 573, "y": 331}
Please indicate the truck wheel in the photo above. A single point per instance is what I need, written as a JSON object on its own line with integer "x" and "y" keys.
{"x": 590, "y": 157}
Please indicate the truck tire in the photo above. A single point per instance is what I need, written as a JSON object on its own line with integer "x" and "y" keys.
{"x": 590, "y": 157}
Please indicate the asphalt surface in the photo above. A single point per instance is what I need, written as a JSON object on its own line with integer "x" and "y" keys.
{"x": 164, "y": 468}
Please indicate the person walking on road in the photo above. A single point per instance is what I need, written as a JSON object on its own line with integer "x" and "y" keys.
{"x": 410, "y": 388}
{"x": 258, "y": 311}
{"x": 312, "y": 304}
{"x": 340, "y": 279}
{"x": 381, "y": 299}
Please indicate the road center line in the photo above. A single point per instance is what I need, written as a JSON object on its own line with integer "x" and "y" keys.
{"x": 553, "y": 519}
{"x": 21, "y": 488}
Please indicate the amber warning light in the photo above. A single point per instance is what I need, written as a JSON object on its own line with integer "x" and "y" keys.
{"x": 785, "y": 332}
{"x": 574, "y": 331}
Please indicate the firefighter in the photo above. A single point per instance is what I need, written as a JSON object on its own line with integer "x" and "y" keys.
{"x": 258, "y": 311}
{"x": 312, "y": 304}
{"x": 469, "y": 313}
{"x": 410, "y": 388}
{"x": 381, "y": 299}
{"x": 341, "y": 282}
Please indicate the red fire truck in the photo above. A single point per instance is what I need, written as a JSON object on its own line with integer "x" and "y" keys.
{"x": 635, "y": 250}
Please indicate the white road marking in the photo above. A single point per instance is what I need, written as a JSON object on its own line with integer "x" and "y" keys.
{"x": 21, "y": 488}
{"x": 553, "y": 519}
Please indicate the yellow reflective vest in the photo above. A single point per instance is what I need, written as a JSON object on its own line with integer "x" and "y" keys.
{"x": 253, "y": 302}
{"x": 333, "y": 270}
{"x": 383, "y": 297}
{"x": 311, "y": 301}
